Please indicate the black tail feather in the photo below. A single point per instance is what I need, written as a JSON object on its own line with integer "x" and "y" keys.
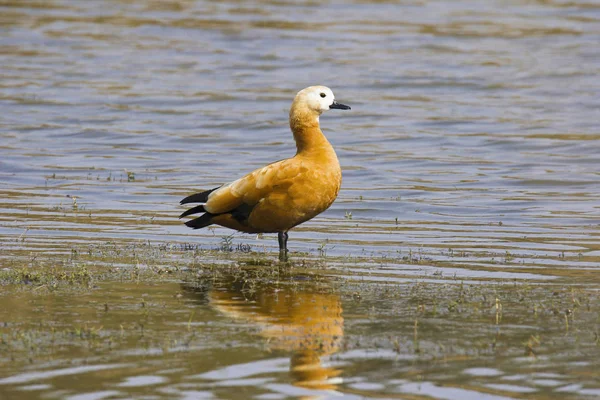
{"x": 198, "y": 197}
{"x": 201, "y": 221}
{"x": 193, "y": 210}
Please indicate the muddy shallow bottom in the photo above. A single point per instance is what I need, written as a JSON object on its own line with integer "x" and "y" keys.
{"x": 121, "y": 322}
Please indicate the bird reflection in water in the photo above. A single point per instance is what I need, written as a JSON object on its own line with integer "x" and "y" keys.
{"x": 294, "y": 315}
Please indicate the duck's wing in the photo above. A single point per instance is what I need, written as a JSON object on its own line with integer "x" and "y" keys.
{"x": 235, "y": 201}
{"x": 254, "y": 187}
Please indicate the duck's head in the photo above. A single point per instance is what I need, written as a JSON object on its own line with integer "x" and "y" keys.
{"x": 318, "y": 99}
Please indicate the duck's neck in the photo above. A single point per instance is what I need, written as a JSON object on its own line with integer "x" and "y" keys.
{"x": 307, "y": 133}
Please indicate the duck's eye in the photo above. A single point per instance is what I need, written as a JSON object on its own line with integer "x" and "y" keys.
{"x": 323, "y": 95}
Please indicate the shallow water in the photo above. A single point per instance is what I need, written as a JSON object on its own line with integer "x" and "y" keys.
{"x": 470, "y": 155}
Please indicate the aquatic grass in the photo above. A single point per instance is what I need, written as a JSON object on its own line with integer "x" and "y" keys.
{"x": 143, "y": 299}
{"x": 497, "y": 310}
{"x": 45, "y": 338}
{"x": 49, "y": 277}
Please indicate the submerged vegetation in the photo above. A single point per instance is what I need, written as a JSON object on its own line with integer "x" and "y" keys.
{"x": 424, "y": 302}
{"x": 115, "y": 302}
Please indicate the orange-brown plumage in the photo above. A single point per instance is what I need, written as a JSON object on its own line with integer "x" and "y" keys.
{"x": 286, "y": 193}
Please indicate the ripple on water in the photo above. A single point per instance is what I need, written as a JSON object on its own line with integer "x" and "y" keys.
{"x": 468, "y": 161}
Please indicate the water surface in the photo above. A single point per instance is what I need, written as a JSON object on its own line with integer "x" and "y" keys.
{"x": 470, "y": 160}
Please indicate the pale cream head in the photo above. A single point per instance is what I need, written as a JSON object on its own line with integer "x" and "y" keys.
{"x": 318, "y": 99}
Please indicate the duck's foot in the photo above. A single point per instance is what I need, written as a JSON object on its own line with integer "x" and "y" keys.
{"x": 283, "y": 256}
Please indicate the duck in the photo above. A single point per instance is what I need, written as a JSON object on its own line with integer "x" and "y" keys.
{"x": 283, "y": 194}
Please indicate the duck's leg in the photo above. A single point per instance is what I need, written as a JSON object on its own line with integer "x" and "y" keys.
{"x": 283, "y": 251}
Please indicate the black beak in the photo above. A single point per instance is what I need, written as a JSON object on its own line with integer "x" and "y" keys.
{"x": 338, "y": 106}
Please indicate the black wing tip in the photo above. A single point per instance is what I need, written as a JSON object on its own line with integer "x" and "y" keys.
{"x": 190, "y": 224}
{"x": 193, "y": 210}
{"x": 192, "y": 199}
{"x": 201, "y": 197}
{"x": 200, "y": 222}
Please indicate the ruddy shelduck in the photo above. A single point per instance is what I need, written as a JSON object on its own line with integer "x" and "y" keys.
{"x": 286, "y": 193}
